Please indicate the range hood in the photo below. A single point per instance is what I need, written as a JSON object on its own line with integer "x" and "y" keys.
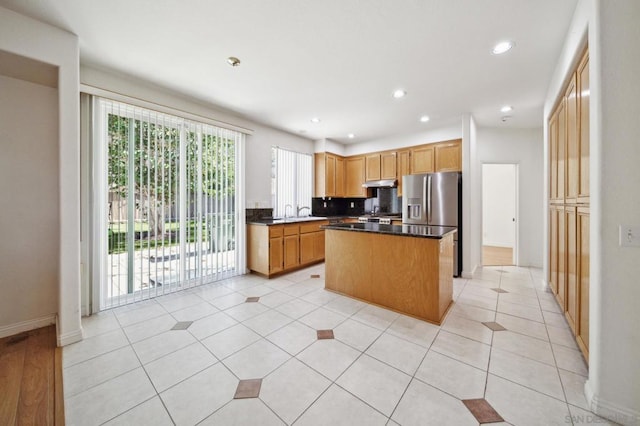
{"x": 386, "y": 183}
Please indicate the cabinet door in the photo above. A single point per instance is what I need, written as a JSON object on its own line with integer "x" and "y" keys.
{"x": 449, "y": 157}
{"x": 372, "y": 167}
{"x": 403, "y": 167}
{"x": 388, "y": 165}
{"x": 339, "y": 177}
{"x": 553, "y": 249}
{"x": 561, "y": 152}
{"x": 291, "y": 251}
{"x": 318, "y": 246}
{"x": 276, "y": 255}
{"x": 583, "y": 280}
{"x": 562, "y": 259}
{"x": 571, "y": 267}
{"x": 354, "y": 174}
{"x": 573, "y": 173}
{"x": 553, "y": 157}
{"x": 423, "y": 160}
{"x": 330, "y": 175}
{"x": 583, "y": 129}
{"x": 307, "y": 247}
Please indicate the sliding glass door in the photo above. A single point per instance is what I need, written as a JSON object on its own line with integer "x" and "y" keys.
{"x": 165, "y": 210}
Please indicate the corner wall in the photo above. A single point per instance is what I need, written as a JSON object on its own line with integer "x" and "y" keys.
{"x": 32, "y": 39}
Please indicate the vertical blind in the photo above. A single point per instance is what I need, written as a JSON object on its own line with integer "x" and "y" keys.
{"x": 166, "y": 212}
{"x": 292, "y": 182}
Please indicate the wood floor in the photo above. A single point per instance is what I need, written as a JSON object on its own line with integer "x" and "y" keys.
{"x": 497, "y": 256}
{"x": 31, "y": 379}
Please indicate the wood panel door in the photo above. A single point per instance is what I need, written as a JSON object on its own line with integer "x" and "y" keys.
{"x": 276, "y": 255}
{"x": 571, "y": 267}
{"x": 388, "y": 165}
{"x": 330, "y": 175}
{"x": 403, "y": 167}
{"x": 307, "y": 248}
{"x": 423, "y": 159}
{"x": 562, "y": 260}
{"x": 354, "y": 177}
{"x": 318, "y": 246}
{"x": 572, "y": 153}
{"x": 372, "y": 167}
{"x": 553, "y": 248}
{"x": 583, "y": 129}
{"x": 339, "y": 179}
{"x": 582, "y": 236}
{"x": 291, "y": 251}
{"x": 448, "y": 156}
{"x": 553, "y": 157}
{"x": 561, "y": 153}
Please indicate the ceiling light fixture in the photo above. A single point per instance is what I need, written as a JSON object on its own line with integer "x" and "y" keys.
{"x": 506, "y": 108}
{"x": 502, "y": 47}
{"x": 351, "y": 136}
{"x": 315, "y": 120}
{"x": 399, "y": 93}
{"x": 424, "y": 118}
{"x": 233, "y": 61}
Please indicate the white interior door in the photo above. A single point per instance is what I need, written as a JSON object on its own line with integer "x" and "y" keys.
{"x": 499, "y": 213}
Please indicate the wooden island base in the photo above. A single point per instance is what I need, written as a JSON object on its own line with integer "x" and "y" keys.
{"x": 406, "y": 274}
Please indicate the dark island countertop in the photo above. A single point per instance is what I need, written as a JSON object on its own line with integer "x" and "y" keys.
{"x": 420, "y": 231}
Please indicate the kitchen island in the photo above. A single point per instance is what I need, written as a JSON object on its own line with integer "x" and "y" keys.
{"x": 406, "y": 268}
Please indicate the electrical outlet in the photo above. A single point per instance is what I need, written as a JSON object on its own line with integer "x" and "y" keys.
{"x": 629, "y": 236}
{"x": 325, "y": 204}
{"x": 353, "y": 204}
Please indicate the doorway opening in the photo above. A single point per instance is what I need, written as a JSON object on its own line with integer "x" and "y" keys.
{"x": 499, "y": 214}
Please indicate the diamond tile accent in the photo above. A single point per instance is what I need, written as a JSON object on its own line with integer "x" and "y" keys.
{"x": 182, "y": 325}
{"x": 248, "y": 389}
{"x": 325, "y": 334}
{"x": 494, "y": 326}
{"x": 315, "y": 275}
{"x": 499, "y": 290}
{"x": 482, "y": 410}
{"x": 252, "y": 299}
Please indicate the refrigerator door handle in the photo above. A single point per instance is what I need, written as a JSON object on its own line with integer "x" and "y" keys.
{"x": 428, "y": 183}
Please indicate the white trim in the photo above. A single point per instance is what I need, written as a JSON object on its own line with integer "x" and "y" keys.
{"x": 115, "y": 96}
{"x": 69, "y": 338}
{"x": 32, "y": 324}
{"x": 609, "y": 410}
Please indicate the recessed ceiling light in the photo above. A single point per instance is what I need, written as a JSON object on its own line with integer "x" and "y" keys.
{"x": 351, "y": 136}
{"x": 506, "y": 108}
{"x": 315, "y": 120}
{"x": 424, "y": 118}
{"x": 399, "y": 93}
{"x": 233, "y": 61}
{"x": 502, "y": 47}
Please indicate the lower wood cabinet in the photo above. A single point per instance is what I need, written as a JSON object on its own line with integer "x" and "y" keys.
{"x": 582, "y": 251}
{"x": 273, "y": 249}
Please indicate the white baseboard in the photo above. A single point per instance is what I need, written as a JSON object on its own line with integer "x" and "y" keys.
{"x": 69, "y": 338}
{"x": 21, "y": 327}
{"x": 608, "y": 410}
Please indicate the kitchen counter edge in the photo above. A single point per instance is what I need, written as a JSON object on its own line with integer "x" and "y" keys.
{"x": 418, "y": 231}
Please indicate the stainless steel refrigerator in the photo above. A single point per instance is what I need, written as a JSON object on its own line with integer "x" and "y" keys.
{"x": 435, "y": 199}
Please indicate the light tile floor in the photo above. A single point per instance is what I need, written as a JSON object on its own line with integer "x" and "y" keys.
{"x": 381, "y": 367}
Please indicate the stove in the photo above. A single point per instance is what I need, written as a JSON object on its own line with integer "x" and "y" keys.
{"x": 382, "y": 220}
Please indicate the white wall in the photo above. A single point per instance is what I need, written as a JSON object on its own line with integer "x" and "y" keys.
{"x": 26, "y": 37}
{"x": 613, "y": 387}
{"x": 525, "y": 148}
{"x": 498, "y": 205}
{"x": 29, "y": 247}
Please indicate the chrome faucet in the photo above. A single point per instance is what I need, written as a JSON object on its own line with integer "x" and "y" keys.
{"x": 375, "y": 209}
{"x": 285, "y": 209}
{"x": 299, "y": 209}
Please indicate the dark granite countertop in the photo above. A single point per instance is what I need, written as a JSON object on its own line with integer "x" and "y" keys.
{"x": 421, "y": 231}
{"x": 280, "y": 221}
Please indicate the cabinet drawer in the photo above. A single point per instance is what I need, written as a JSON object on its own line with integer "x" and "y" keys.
{"x": 313, "y": 226}
{"x": 276, "y": 231}
{"x": 291, "y": 229}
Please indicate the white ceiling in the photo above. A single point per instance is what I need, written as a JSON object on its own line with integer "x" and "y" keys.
{"x": 338, "y": 60}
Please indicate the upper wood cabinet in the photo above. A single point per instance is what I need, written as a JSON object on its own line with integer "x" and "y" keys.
{"x": 449, "y": 156}
{"x": 388, "y": 165}
{"x": 403, "y": 167}
{"x": 572, "y": 153}
{"x": 372, "y": 167}
{"x": 422, "y": 159}
{"x": 354, "y": 177}
{"x": 329, "y": 175}
{"x": 583, "y": 93}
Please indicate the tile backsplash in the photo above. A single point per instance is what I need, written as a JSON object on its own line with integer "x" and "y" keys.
{"x": 337, "y": 206}
{"x": 257, "y": 214}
